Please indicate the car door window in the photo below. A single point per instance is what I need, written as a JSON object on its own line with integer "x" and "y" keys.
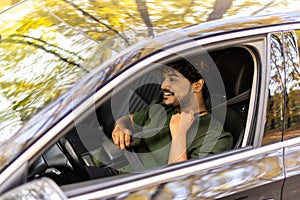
{"x": 292, "y": 119}
{"x": 274, "y": 115}
{"x": 88, "y": 148}
{"x": 152, "y": 99}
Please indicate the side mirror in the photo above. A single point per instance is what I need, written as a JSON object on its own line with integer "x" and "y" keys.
{"x": 43, "y": 188}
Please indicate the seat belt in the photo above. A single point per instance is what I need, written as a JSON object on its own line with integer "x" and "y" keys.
{"x": 241, "y": 97}
{"x": 130, "y": 155}
{"x": 134, "y": 161}
{"x": 236, "y": 99}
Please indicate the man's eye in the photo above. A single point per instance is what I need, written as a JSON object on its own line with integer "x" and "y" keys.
{"x": 173, "y": 79}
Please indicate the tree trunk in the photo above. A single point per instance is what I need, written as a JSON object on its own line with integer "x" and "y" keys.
{"x": 142, "y": 8}
{"x": 220, "y": 8}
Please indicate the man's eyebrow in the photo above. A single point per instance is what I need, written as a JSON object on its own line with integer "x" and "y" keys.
{"x": 172, "y": 74}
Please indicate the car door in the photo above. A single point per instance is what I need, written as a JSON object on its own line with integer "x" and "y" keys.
{"x": 291, "y": 131}
{"x": 250, "y": 171}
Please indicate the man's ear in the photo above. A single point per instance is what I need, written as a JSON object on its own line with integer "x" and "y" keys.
{"x": 197, "y": 86}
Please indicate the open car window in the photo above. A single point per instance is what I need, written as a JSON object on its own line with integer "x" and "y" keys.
{"x": 88, "y": 151}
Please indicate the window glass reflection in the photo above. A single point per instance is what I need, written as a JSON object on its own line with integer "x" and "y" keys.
{"x": 41, "y": 58}
{"x": 274, "y": 118}
{"x": 292, "y": 118}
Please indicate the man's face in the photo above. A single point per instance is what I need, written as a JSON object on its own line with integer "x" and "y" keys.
{"x": 177, "y": 89}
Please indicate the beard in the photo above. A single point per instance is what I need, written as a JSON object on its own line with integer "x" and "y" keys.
{"x": 171, "y": 99}
{"x": 177, "y": 101}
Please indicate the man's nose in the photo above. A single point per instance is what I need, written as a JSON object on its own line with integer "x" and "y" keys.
{"x": 164, "y": 84}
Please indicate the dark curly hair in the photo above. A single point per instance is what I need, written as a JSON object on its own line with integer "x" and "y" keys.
{"x": 192, "y": 72}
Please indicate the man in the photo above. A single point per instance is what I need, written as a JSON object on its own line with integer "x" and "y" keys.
{"x": 184, "y": 127}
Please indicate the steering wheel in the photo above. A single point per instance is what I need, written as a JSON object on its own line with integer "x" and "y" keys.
{"x": 82, "y": 141}
{"x": 76, "y": 161}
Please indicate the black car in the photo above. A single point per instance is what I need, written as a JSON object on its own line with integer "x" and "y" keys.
{"x": 70, "y": 69}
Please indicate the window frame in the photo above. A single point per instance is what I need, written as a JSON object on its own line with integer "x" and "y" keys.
{"x": 253, "y": 43}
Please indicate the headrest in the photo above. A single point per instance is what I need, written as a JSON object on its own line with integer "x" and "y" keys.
{"x": 236, "y": 68}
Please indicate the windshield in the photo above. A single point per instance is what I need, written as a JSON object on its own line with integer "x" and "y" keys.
{"x": 41, "y": 57}
{"x": 45, "y": 51}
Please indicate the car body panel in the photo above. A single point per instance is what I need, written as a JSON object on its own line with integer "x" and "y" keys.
{"x": 292, "y": 156}
{"x": 227, "y": 176}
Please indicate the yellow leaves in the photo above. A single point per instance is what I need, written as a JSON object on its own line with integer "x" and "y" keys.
{"x": 34, "y": 23}
{"x": 27, "y": 96}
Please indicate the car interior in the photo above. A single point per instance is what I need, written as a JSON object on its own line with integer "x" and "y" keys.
{"x": 87, "y": 151}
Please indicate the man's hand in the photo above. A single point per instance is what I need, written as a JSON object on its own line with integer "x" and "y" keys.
{"x": 121, "y": 137}
{"x": 122, "y": 132}
{"x": 179, "y": 126}
{"x": 180, "y": 123}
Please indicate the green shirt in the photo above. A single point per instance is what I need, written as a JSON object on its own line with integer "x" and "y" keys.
{"x": 205, "y": 136}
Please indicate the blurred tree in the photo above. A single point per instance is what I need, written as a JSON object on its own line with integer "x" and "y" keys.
{"x": 142, "y": 8}
{"x": 220, "y": 8}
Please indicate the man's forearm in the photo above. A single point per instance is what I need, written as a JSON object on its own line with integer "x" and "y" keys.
{"x": 126, "y": 122}
{"x": 179, "y": 126}
{"x": 178, "y": 149}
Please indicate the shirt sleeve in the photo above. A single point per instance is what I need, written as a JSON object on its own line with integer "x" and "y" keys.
{"x": 140, "y": 118}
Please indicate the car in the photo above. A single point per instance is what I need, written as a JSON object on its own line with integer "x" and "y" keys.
{"x": 70, "y": 69}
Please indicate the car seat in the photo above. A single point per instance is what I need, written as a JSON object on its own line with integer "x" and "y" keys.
{"x": 236, "y": 67}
